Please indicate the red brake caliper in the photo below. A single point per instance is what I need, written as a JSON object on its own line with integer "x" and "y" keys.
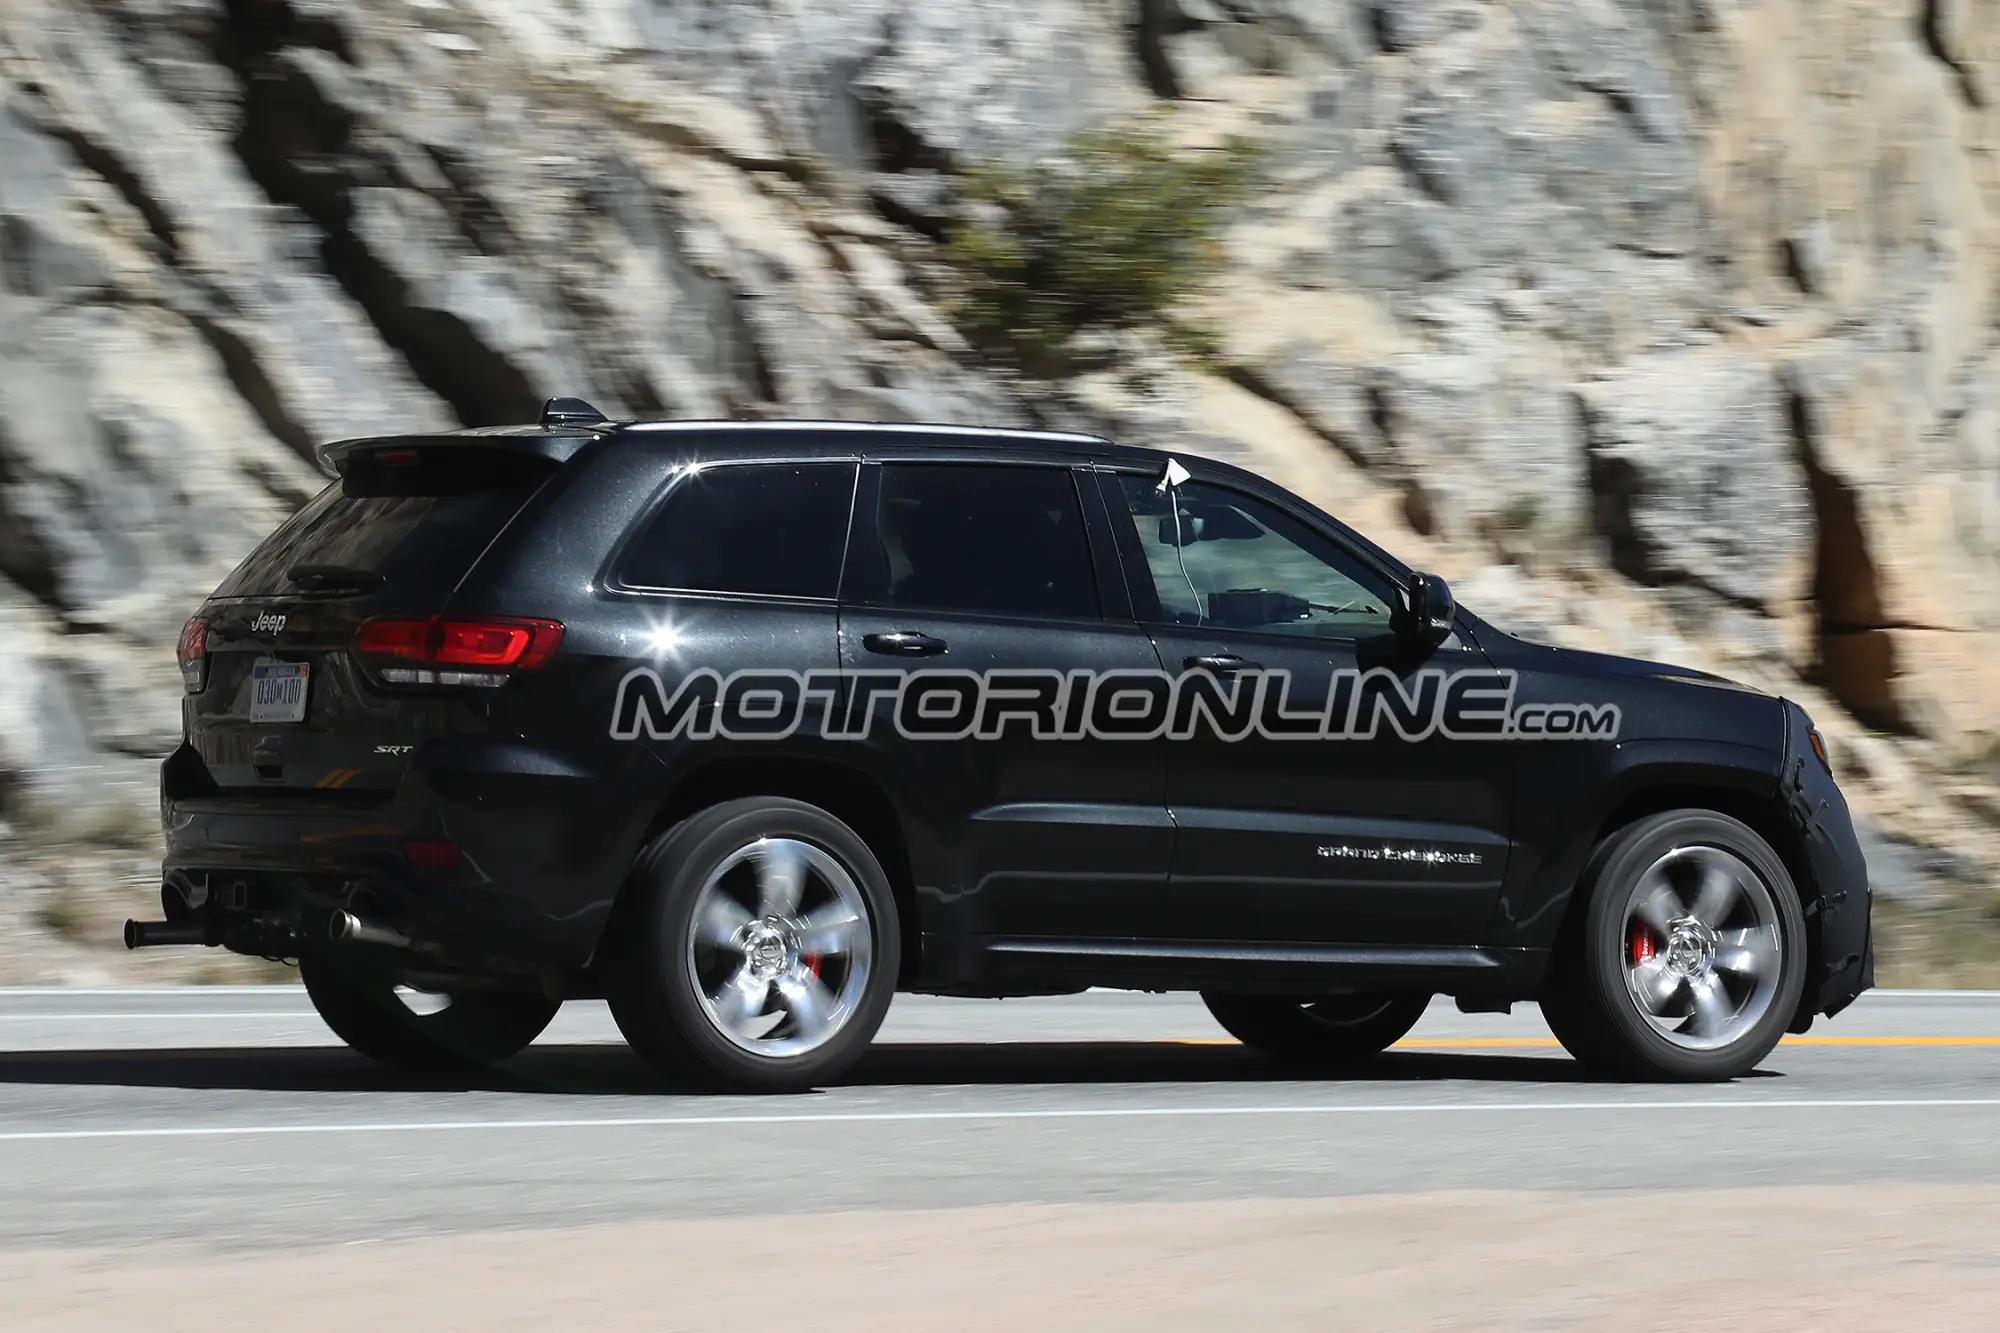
{"x": 812, "y": 963}
{"x": 1642, "y": 942}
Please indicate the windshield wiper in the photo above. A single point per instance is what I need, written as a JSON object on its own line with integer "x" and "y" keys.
{"x": 328, "y": 578}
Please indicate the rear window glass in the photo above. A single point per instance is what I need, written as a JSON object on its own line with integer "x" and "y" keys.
{"x": 424, "y": 516}
{"x": 772, "y": 529}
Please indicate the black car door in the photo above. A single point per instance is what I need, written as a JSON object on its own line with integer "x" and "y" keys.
{"x": 959, "y": 570}
{"x": 1287, "y": 837}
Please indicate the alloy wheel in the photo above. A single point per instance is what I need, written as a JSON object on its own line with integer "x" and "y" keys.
{"x": 1703, "y": 951}
{"x": 781, "y": 949}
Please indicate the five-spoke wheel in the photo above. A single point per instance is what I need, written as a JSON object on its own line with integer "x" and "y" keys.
{"x": 1686, "y": 962}
{"x": 780, "y": 952}
{"x": 758, "y": 947}
{"x": 1703, "y": 947}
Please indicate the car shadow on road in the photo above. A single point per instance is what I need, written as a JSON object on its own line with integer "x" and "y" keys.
{"x": 612, "y": 1071}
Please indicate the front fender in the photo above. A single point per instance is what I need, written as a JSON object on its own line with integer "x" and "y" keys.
{"x": 1562, "y": 813}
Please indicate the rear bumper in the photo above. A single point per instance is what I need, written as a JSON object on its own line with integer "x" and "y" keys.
{"x": 541, "y": 849}
{"x": 268, "y": 881}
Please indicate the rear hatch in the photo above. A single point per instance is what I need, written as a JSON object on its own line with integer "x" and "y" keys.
{"x": 279, "y": 701}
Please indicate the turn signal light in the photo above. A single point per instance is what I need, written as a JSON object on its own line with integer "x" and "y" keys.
{"x": 1819, "y": 748}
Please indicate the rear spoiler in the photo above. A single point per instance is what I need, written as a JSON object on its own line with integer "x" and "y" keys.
{"x": 558, "y": 446}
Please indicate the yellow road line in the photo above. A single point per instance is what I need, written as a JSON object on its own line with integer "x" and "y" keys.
{"x": 1486, "y": 1043}
{"x": 1437, "y": 1043}
{"x": 1892, "y": 1041}
{"x": 1450, "y": 1043}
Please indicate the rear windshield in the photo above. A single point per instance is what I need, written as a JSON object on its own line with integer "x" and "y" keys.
{"x": 415, "y": 523}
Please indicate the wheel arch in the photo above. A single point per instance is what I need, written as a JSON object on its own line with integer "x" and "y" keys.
{"x": 1759, "y": 807}
{"x": 847, "y": 793}
{"x": 1764, "y": 813}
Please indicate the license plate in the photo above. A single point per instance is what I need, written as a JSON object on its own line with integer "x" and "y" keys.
{"x": 278, "y": 692}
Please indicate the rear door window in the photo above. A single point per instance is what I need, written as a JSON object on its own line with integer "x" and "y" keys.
{"x": 764, "y": 529}
{"x": 990, "y": 539}
{"x": 413, "y": 523}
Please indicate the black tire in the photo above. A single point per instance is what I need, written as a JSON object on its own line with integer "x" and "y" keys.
{"x": 1592, "y": 1000}
{"x": 1331, "y": 1029}
{"x": 1578, "y": 1023}
{"x": 359, "y": 1002}
{"x": 661, "y": 974}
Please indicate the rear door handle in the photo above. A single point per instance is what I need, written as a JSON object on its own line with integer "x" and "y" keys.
{"x": 1222, "y": 664}
{"x": 903, "y": 643}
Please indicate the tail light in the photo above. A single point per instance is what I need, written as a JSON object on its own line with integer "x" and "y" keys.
{"x": 434, "y": 855}
{"x": 192, "y": 654}
{"x": 446, "y": 650}
{"x": 484, "y": 644}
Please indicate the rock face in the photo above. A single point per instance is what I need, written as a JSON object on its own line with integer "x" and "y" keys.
{"x": 1667, "y": 324}
{"x": 1692, "y": 469}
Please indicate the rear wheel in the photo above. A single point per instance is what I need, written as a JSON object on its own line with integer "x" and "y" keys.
{"x": 1691, "y": 955}
{"x": 1328, "y": 1028}
{"x": 759, "y": 950}
{"x": 420, "y": 1033}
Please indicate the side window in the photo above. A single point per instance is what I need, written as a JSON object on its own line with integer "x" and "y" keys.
{"x": 778, "y": 529}
{"x": 1222, "y": 559}
{"x": 978, "y": 537}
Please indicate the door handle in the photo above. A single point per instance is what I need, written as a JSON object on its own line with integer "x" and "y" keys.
{"x": 1222, "y": 664}
{"x": 903, "y": 643}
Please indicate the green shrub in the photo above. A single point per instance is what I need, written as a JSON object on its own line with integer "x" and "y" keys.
{"x": 1521, "y": 513}
{"x": 1118, "y": 233}
{"x": 65, "y": 913}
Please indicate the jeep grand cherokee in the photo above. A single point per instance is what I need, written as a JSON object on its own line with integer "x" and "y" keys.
{"x": 748, "y": 726}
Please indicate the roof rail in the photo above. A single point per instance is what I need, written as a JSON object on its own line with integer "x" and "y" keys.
{"x": 876, "y": 427}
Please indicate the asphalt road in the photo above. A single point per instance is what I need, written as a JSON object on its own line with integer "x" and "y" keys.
{"x": 226, "y": 1118}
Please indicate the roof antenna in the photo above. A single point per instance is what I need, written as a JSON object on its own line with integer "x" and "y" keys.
{"x": 560, "y": 412}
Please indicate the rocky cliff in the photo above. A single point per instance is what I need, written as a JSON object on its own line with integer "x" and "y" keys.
{"x": 1666, "y": 326}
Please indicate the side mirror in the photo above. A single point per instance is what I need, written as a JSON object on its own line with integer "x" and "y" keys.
{"x": 1427, "y": 610}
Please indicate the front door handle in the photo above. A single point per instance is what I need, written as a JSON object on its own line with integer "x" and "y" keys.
{"x": 903, "y": 643}
{"x": 1222, "y": 664}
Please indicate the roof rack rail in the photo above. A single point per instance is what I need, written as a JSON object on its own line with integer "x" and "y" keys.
{"x": 560, "y": 412}
{"x": 877, "y": 427}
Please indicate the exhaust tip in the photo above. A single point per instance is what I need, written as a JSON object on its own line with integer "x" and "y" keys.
{"x": 347, "y": 928}
{"x": 157, "y": 934}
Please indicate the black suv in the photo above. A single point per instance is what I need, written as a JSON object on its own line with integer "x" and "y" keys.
{"x": 746, "y": 726}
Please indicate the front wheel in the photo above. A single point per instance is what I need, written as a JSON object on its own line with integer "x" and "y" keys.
{"x": 759, "y": 949}
{"x": 364, "y": 1008}
{"x": 1690, "y": 960}
{"x": 1334, "y": 1028}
